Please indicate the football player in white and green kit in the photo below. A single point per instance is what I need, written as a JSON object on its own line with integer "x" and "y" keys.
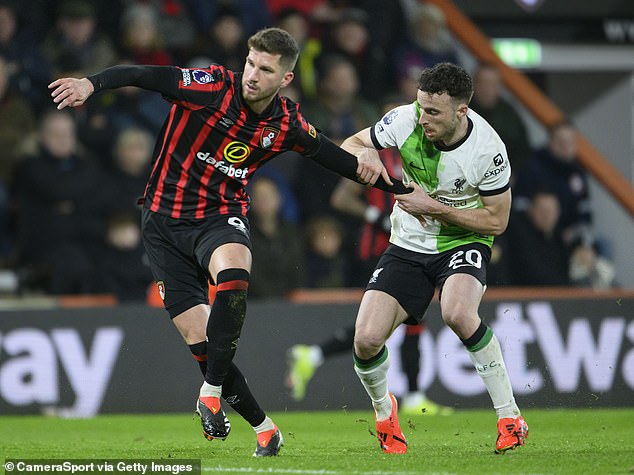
{"x": 441, "y": 238}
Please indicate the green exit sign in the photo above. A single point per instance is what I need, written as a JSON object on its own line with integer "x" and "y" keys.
{"x": 518, "y": 52}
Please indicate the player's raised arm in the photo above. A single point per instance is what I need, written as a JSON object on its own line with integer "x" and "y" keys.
{"x": 73, "y": 92}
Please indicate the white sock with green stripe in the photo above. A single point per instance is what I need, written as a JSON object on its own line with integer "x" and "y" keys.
{"x": 373, "y": 376}
{"x": 486, "y": 354}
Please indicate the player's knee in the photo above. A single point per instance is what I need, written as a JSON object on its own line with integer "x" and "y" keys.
{"x": 457, "y": 316}
{"x": 450, "y": 318}
{"x": 367, "y": 343}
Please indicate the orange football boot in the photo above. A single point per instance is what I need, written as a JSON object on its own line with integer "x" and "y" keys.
{"x": 389, "y": 433}
{"x": 511, "y": 433}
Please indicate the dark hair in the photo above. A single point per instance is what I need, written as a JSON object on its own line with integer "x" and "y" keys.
{"x": 330, "y": 62}
{"x": 288, "y": 12}
{"x": 542, "y": 188}
{"x": 447, "y": 78}
{"x": 276, "y": 41}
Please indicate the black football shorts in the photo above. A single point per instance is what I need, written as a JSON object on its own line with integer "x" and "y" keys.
{"x": 412, "y": 277}
{"x": 179, "y": 251}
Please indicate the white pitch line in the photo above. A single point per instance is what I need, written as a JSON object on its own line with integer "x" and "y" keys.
{"x": 328, "y": 472}
{"x": 308, "y": 472}
{"x": 268, "y": 470}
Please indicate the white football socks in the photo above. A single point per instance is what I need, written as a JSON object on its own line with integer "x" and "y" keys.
{"x": 374, "y": 380}
{"x": 490, "y": 366}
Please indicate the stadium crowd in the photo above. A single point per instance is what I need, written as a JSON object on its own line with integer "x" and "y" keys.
{"x": 69, "y": 180}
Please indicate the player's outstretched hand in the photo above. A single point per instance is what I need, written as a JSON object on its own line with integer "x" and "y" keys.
{"x": 370, "y": 167}
{"x": 70, "y": 92}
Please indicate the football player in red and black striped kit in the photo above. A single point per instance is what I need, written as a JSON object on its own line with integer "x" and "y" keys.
{"x": 222, "y": 127}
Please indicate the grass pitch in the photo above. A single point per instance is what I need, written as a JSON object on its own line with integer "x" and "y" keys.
{"x": 340, "y": 443}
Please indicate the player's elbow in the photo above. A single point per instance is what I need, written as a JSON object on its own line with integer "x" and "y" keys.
{"x": 498, "y": 227}
{"x": 497, "y": 231}
{"x": 355, "y": 143}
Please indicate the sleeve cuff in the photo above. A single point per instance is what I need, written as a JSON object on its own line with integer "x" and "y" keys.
{"x": 375, "y": 141}
{"x": 497, "y": 191}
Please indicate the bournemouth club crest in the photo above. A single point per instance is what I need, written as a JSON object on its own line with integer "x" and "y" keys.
{"x": 269, "y": 135}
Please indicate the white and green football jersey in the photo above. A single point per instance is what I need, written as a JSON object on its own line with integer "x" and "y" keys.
{"x": 456, "y": 176}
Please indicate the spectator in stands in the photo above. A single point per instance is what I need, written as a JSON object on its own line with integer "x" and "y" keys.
{"x": 297, "y": 24}
{"x": 338, "y": 111}
{"x": 325, "y": 261}
{"x": 588, "y": 268}
{"x": 39, "y": 16}
{"x": 75, "y": 47}
{"x": 141, "y": 38}
{"x": 224, "y": 42}
{"x": 95, "y": 129}
{"x": 128, "y": 172}
{"x": 428, "y": 42}
{"x": 28, "y": 71}
{"x": 317, "y": 11}
{"x": 556, "y": 166}
{"x": 537, "y": 253}
{"x": 121, "y": 266}
{"x": 349, "y": 36}
{"x": 386, "y": 23}
{"x": 254, "y": 14}
{"x": 114, "y": 112}
{"x": 140, "y": 108}
{"x": 488, "y": 101}
{"x": 17, "y": 121}
{"x": 175, "y": 22}
{"x": 58, "y": 215}
{"x": 131, "y": 107}
{"x": 407, "y": 80}
{"x": 119, "y": 258}
{"x": 281, "y": 174}
{"x": 275, "y": 241}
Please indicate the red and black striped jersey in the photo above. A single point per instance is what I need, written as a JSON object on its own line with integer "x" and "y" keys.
{"x": 212, "y": 143}
{"x": 374, "y": 239}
